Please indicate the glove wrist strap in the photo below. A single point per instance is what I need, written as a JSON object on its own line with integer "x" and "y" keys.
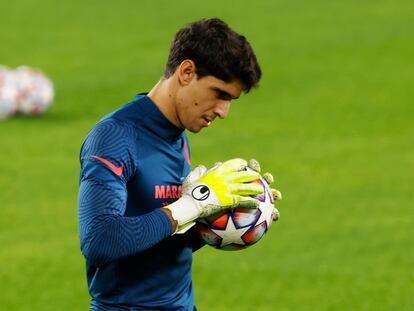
{"x": 184, "y": 211}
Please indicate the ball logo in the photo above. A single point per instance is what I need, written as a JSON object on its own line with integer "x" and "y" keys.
{"x": 201, "y": 193}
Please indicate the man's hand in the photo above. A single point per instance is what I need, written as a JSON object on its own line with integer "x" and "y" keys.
{"x": 277, "y": 195}
{"x": 205, "y": 193}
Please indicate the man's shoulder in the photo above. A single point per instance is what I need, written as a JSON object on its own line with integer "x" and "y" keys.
{"x": 112, "y": 128}
{"x": 122, "y": 122}
{"x": 123, "y": 127}
{"x": 112, "y": 140}
{"x": 130, "y": 114}
{"x": 109, "y": 147}
{"x": 111, "y": 131}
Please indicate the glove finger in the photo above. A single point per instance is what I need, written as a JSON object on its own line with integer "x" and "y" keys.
{"x": 275, "y": 214}
{"x": 242, "y": 176}
{"x": 246, "y": 189}
{"x": 269, "y": 178}
{"x": 254, "y": 165}
{"x": 199, "y": 171}
{"x": 195, "y": 174}
{"x": 277, "y": 195}
{"x": 215, "y": 166}
{"x": 212, "y": 209}
{"x": 232, "y": 165}
{"x": 245, "y": 202}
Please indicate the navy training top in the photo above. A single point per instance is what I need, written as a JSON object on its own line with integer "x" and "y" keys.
{"x": 133, "y": 162}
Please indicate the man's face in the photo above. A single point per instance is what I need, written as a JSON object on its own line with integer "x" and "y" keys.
{"x": 202, "y": 100}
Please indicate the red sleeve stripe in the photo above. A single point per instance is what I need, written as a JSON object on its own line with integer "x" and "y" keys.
{"x": 187, "y": 155}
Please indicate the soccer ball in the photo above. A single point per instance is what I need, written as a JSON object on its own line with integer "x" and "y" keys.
{"x": 35, "y": 91}
{"x": 24, "y": 90}
{"x": 8, "y": 93}
{"x": 241, "y": 227}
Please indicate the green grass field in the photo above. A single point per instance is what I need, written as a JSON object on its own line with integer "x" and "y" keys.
{"x": 332, "y": 120}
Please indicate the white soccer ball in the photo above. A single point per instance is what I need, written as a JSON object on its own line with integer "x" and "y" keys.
{"x": 35, "y": 91}
{"x": 239, "y": 228}
{"x": 8, "y": 93}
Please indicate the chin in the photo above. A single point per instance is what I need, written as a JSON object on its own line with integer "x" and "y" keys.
{"x": 194, "y": 128}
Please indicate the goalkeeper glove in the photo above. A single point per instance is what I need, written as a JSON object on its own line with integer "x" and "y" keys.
{"x": 205, "y": 193}
{"x": 277, "y": 195}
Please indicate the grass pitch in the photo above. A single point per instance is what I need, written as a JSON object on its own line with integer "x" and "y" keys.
{"x": 332, "y": 120}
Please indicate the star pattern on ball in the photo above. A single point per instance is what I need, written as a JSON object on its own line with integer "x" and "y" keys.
{"x": 231, "y": 234}
{"x": 265, "y": 215}
{"x": 266, "y": 210}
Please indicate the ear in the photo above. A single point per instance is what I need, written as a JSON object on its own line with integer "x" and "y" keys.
{"x": 186, "y": 71}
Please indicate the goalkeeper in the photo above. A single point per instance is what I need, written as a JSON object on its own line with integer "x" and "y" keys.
{"x": 135, "y": 212}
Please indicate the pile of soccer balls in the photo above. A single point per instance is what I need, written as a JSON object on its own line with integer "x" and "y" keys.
{"x": 24, "y": 91}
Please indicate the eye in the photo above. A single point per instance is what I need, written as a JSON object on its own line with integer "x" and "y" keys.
{"x": 200, "y": 193}
{"x": 223, "y": 95}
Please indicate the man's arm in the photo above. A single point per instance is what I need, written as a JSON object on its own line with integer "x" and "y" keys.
{"x": 105, "y": 234}
{"x": 174, "y": 223}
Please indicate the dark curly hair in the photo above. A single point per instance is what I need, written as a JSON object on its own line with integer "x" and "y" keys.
{"x": 216, "y": 50}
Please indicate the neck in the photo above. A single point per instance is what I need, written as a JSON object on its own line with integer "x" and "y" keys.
{"x": 163, "y": 94}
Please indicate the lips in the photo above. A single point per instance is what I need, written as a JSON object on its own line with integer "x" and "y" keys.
{"x": 207, "y": 121}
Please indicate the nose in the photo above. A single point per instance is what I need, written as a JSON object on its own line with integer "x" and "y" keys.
{"x": 222, "y": 108}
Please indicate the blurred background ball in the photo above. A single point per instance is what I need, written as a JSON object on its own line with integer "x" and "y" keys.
{"x": 241, "y": 227}
{"x": 8, "y": 93}
{"x": 35, "y": 91}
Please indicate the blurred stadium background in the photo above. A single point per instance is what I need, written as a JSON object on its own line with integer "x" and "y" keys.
{"x": 333, "y": 121}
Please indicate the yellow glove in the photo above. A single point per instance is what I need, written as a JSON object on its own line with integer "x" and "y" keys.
{"x": 277, "y": 195}
{"x": 205, "y": 193}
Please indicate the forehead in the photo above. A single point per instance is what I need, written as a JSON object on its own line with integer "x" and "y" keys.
{"x": 234, "y": 88}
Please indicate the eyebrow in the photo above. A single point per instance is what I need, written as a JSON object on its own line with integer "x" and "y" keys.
{"x": 223, "y": 92}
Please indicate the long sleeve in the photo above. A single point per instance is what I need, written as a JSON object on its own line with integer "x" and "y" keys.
{"x": 105, "y": 233}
